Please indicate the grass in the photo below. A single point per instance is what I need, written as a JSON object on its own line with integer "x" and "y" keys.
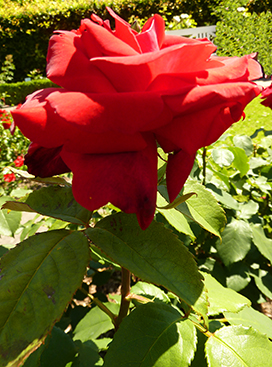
{"x": 257, "y": 123}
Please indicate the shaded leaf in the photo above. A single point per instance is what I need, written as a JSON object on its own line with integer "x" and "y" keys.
{"x": 155, "y": 255}
{"x": 264, "y": 282}
{"x": 57, "y": 350}
{"x": 37, "y": 280}
{"x": 222, "y": 299}
{"x": 155, "y": 335}
{"x": 240, "y": 347}
{"x": 236, "y": 241}
{"x": 260, "y": 240}
{"x": 88, "y": 355}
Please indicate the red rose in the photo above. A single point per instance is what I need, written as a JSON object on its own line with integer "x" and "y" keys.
{"x": 19, "y": 161}
{"x": 9, "y": 177}
{"x": 267, "y": 95}
{"x": 122, "y": 93}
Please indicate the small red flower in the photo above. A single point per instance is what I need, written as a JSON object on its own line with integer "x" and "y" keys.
{"x": 9, "y": 177}
{"x": 19, "y": 161}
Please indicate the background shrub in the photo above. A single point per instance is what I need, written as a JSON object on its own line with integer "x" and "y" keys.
{"x": 14, "y": 93}
{"x": 26, "y": 26}
{"x": 239, "y": 32}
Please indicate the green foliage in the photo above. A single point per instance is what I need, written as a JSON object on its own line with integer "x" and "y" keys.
{"x": 16, "y": 92}
{"x": 231, "y": 38}
{"x": 183, "y": 317}
{"x": 26, "y": 26}
{"x": 7, "y": 70}
{"x": 259, "y": 6}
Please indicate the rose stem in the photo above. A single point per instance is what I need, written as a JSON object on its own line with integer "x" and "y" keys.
{"x": 125, "y": 290}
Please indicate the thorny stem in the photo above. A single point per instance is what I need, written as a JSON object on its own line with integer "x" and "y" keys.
{"x": 125, "y": 290}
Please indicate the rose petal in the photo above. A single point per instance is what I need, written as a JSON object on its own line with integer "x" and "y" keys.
{"x": 104, "y": 41}
{"x": 178, "y": 169}
{"x": 135, "y": 73}
{"x": 124, "y": 32}
{"x": 127, "y": 180}
{"x": 44, "y": 162}
{"x": 218, "y": 106}
{"x": 152, "y": 35}
{"x": 126, "y": 113}
{"x": 68, "y": 65}
{"x": 40, "y": 123}
{"x": 267, "y": 95}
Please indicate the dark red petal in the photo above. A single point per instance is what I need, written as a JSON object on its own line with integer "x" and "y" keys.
{"x": 267, "y": 95}
{"x": 178, "y": 169}
{"x": 127, "y": 180}
{"x": 45, "y": 162}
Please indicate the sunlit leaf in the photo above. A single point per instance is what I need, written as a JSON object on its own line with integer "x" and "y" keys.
{"x": 155, "y": 335}
{"x": 240, "y": 347}
{"x": 222, "y": 299}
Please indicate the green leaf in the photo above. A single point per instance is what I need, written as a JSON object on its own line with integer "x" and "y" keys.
{"x": 154, "y": 335}
{"x": 149, "y": 291}
{"x": 244, "y": 142}
{"x": 88, "y": 356}
{"x": 247, "y": 209}
{"x": 177, "y": 201}
{"x": 264, "y": 282}
{"x": 223, "y": 197}
{"x": 37, "y": 280}
{"x": 9, "y": 221}
{"x": 95, "y": 323}
{"x": 155, "y": 255}
{"x": 240, "y": 347}
{"x": 238, "y": 276}
{"x": 57, "y": 351}
{"x": 174, "y": 217}
{"x": 222, "y": 157}
{"x": 203, "y": 209}
{"x": 260, "y": 240}
{"x": 54, "y": 201}
{"x": 236, "y": 241}
{"x": 250, "y": 317}
{"x": 222, "y": 299}
{"x": 240, "y": 160}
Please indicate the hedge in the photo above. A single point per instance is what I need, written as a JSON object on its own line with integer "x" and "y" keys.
{"x": 25, "y": 29}
{"x": 239, "y": 32}
{"x": 16, "y": 92}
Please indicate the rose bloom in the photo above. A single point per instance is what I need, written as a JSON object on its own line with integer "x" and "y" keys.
{"x": 19, "y": 161}
{"x": 267, "y": 95}
{"x": 9, "y": 177}
{"x": 123, "y": 93}
{"x": 4, "y": 117}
